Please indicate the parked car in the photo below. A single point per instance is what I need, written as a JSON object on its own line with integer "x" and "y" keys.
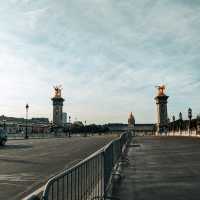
{"x": 3, "y": 137}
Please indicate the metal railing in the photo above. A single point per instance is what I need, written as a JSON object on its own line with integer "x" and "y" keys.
{"x": 89, "y": 179}
{"x": 184, "y": 127}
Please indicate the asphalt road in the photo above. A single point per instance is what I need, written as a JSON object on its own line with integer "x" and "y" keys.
{"x": 161, "y": 168}
{"x": 26, "y": 165}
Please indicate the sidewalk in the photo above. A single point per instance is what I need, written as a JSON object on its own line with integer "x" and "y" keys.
{"x": 160, "y": 168}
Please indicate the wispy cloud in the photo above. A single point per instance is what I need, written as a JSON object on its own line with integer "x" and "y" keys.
{"x": 108, "y": 55}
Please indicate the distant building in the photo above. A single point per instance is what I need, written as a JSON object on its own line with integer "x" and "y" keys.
{"x": 117, "y": 127}
{"x": 78, "y": 123}
{"x": 12, "y": 119}
{"x": 41, "y": 120}
{"x": 138, "y": 129}
{"x": 144, "y": 129}
{"x": 15, "y": 125}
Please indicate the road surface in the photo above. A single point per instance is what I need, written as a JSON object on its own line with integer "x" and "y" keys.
{"x": 26, "y": 165}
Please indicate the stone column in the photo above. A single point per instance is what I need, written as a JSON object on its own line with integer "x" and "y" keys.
{"x": 57, "y": 111}
{"x": 162, "y": 115}
{"x": 57, "y": 108}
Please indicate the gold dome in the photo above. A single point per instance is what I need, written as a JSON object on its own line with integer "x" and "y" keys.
{"x": 131, "y": 119}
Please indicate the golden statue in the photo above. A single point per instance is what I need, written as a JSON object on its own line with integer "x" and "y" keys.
{"x": 161, "y": 90}
{"x": 57, "y": 90}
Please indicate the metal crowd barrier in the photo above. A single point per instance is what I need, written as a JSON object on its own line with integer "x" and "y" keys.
{"x": 89, "y": 179}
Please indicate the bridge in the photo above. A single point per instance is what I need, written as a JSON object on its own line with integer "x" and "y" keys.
{"x": 160, "y": 167}
{"x": 130, "y": 161}
{"x": 151, "y": 167}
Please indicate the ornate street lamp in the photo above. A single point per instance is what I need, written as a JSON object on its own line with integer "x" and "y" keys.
{"x": 190, "y": 118}
{"x": 173, "y": 119}
{"x": 198, "y": 124}
{"x": 69, "y": 126}
{"x": 4, "y": 124}
{"x": 180, "y": 122}
{"x": 168, "y": 125}
{"x": 85, "y": 129}
{"x": 190, "y": 113}
{"x": 26, "y": 133}
{"x": 180, "y": 116}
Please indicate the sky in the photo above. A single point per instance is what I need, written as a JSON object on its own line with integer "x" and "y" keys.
{"x": 108, "y": 55}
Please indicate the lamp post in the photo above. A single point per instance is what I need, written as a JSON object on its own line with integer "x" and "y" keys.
{"x": 4, "y": 124}
{"x": 26, "y": 134}
{"x": 85, "y": 129}
{"x": 180, "y": 122}
{"x": 190, "y": 118}
{"x": 198, "y": 125}
{"x": 168, "y": 126}
{"x": 173, "y": 119}
{"x": 69, "y": 126}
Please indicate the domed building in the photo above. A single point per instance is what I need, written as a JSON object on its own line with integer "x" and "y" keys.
{"x": 131, "y": 120}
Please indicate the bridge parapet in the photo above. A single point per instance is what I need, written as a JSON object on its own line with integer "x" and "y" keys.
{"x": 184, "y": 127}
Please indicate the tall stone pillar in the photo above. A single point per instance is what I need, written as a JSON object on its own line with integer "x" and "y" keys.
{"x": 57, "y": 107}
{"x": 162, "y": 115}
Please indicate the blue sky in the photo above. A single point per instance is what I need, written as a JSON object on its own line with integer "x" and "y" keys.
{"x": 107, "y": 54}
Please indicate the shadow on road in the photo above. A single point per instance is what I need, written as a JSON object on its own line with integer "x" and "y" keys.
{"x": 18, "y": 161}
{"x": 15, "y": 146}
